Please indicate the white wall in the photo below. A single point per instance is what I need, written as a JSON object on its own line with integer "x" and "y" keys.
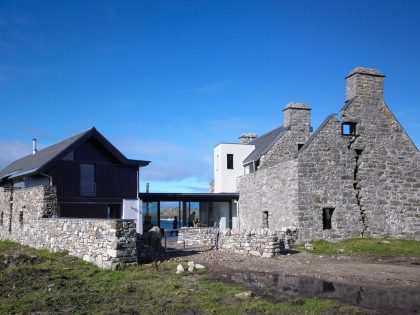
{"x": 224, "y": 178}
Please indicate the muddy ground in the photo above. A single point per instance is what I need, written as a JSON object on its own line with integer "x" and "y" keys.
{"x": 384, "y": 285}
{"x": 388, "y": 272}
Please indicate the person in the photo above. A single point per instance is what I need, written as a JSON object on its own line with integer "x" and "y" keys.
{"x": 191, "y": 220}
{"x": 175, "y": 225}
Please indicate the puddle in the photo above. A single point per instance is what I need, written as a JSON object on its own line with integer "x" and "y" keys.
{"x": 277, "y": 288}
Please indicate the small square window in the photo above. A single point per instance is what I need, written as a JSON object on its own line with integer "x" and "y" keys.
{"x": 326, "y": 218}
{"x": 348, "y": 129}
{"x": 300, "y": 145}
{"x": 229, "y": 161}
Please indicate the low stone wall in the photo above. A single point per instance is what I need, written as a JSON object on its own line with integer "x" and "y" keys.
{"x": 105, "y": 243}
{"x": 198, "y": 237}
{"x": 257, "y": 242}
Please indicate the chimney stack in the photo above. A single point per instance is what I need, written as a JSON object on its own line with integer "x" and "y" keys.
{"x": 297, "y": 116}
{"x": 364, "y": 82}
{"x": 34, "y": 150}
{"x": 246, "y": 138}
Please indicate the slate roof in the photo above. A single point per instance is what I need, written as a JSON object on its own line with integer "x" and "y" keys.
{"x": 35, "y": 163}
{"x": 264, "y": 143}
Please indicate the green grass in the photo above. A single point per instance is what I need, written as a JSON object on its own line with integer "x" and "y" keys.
{"x": 39, "y": 281}
{"x": 365, "y": 246}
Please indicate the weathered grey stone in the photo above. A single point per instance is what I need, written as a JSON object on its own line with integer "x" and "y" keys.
{"x": 244, "y": 295}
{"x": 370, "y": 179}
{"x": 179, "y": 269}
{"x": 90, "y": 239}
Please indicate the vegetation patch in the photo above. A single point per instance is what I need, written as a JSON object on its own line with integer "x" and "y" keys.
{"x": 58, "y": 283}
{"x": 365, "y": 246}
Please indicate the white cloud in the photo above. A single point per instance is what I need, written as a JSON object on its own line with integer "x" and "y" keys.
{"x": 11, "y": 150}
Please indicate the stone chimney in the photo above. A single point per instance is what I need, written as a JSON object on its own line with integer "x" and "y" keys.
{"x": 364, "y": 82}
{"x": 246, "y": 138}
{"x": 297, "y": 116}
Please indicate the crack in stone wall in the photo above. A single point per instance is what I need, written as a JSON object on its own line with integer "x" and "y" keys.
{"x": 357, "y": 187}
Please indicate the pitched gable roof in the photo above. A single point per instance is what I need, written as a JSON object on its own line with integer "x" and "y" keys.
{"x": 264, "y": 143}
{"x": 35, "y": 163}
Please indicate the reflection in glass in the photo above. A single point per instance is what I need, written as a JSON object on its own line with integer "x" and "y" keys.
{"x": 150, "y": 215}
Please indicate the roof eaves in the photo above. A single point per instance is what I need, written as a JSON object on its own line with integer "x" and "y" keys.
{"x": 139, "y": 163}
{"x": 27, "y": 172}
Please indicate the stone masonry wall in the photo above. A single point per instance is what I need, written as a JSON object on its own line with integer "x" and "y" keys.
{"x": 273, "y": 190}
{"x": 255, "y": 242}
{"x": 387, "y": 176}
{"x": 258, "y": 242}
{"x": 102, "y": 242}
{"x": 297, "y": 120}
{"x": 371, "y": 178}
{"x": 326, "y": 177}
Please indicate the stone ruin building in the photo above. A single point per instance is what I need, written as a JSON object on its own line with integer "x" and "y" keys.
{"x": 357, "y": 175}
{"x": 354, "y": 176}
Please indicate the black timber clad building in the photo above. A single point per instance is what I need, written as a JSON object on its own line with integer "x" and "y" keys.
{"x": 91, "y": 176}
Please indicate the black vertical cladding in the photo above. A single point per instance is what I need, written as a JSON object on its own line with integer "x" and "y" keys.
{"x": 113, "y": 180}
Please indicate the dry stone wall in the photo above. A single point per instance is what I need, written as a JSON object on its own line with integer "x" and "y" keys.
{"x": 106, "y": 243}
{"x": 256, "y": 242}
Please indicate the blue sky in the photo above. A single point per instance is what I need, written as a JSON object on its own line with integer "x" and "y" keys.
{"x": 167, "y": 80}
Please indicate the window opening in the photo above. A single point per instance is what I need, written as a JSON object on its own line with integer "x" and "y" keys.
{"x": 69, "y": 156}
{"x": 21, "y": 218}
{"x": 1, "y": 218}
{"x": 265, "y": 220}
{"x": 348, "y": 129}
{"x": 300, "y": 145}
{"x": 326, "y": 218}
{"x": 87, "y": 180}
{"x": 230, "y": 161}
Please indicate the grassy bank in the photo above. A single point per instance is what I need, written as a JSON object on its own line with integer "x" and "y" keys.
{"x": 39, "y": 281}
{"x": 366, "y": 246}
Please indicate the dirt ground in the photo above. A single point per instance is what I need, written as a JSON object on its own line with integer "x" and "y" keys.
{"x": 378, "y": 285}
{"x": 388, "y": 272}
